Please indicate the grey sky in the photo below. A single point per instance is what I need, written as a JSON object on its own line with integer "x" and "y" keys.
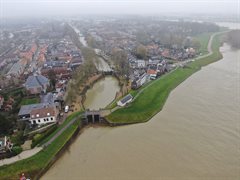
{"x": 31, "y": 8}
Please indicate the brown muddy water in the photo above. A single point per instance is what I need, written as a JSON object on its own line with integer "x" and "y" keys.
{"x": 196, "y": 136}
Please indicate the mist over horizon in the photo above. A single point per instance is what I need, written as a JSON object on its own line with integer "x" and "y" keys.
{"x": 56, "y": 8}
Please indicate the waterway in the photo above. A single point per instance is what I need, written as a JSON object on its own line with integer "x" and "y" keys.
{"x": 102, "y": 93}
{"x": 195, "y": 136}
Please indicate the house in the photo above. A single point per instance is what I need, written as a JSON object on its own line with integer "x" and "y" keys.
{"x": 127, "y": 99}
{"x": 141, "y": 63}
{"x": 43, "y": 115}
{"x": 39, "y": 114}
{"x": 1, "y": 102}
{"x": 37, "y": 84}
{"x": 139, "y": 81}
{"x": 152, "y": 73}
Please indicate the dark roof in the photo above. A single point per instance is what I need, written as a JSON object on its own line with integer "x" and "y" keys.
{"x": 26, "y": 109}
{"x": 36, "y": 81}
{"x": 48, "y": 98}
{"x": 126, "y": 98}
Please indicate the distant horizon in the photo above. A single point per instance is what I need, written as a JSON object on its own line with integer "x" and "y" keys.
{"x": 46, "y": 8}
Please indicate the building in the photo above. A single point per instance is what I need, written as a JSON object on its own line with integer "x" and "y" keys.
{"x": 38, "y": 114}
{"x": 139, "y": 81}
{"x": 152, "y": 73}
{"x": 140, "y": 63}
{"x": 37, "y": 84}
{"x": 127, "y": 99}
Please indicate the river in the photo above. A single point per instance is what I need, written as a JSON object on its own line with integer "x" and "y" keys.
{"x": 195, "y": 136}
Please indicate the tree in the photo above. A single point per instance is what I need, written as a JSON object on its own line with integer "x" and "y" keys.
{"x": 141, "y": 52}
{"x": 52, "y": 78}
{"x": 5, "y": 125}
{"x": 121, "y": 62}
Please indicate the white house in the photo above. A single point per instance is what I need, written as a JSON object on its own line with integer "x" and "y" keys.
{"x": 141, "y": 63}
{"x": 127, "y": 99}
{"x": 41, "y": 113}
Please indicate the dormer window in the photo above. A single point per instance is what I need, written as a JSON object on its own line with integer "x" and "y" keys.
{"x": 32, "y": 116}
{"x": 37, "y": 115}
{"x": 48, "y": 114}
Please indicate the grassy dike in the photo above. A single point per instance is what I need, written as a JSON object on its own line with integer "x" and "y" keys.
{"x": 152, "y": 99}
{"x": 37, "y": 163}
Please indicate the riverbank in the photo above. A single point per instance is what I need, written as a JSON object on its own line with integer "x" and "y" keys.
{"x": 152, "y": 99}
{"x": 38, "y": 164}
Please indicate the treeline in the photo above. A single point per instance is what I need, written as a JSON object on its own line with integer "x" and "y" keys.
{"x": 170, "y": 33}
{"x": 233, "y": 38}
{"x": 82, "y": 73}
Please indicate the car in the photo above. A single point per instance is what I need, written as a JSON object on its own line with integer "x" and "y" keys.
{"x": 66, "y": 109}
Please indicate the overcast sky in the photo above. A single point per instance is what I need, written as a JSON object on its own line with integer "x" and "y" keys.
{"x": 32, "y": 8}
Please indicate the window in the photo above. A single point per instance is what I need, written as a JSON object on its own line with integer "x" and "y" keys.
{"x": 39, "y": 120}
{"x": 47, "y": 119}
{"x": 37, "y": 115}
{"x": 51, "y": 119}
{"x": 48, "y": 114}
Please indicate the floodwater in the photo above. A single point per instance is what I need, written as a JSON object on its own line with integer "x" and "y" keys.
{"x": 102, "y": 93}
{"x": 195, "y": 137}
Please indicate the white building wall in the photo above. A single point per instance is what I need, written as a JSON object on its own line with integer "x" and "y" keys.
{"x": 44, "y": 120}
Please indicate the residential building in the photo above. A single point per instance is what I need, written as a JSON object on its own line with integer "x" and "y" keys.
{"x": 38, "y": 114}
{"x": 139, "y": 81}
{"x": 37, "y": 84}
{"x": 127, "y": 99}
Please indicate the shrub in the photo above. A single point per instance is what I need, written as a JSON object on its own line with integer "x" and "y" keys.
{"x": 16, "y": 150}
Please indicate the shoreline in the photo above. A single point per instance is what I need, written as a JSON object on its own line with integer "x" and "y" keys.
{"x": 76, "y": 130}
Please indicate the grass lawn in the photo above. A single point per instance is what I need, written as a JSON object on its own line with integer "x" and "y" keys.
{"x": 203, "y": 39}
{"x": 36, "y": 163}
{"x": 27, "y": 101}
{"x": 153, "y": 97}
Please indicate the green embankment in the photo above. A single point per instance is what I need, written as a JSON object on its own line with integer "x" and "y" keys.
{"x": 36, "y": 163}
{"x": 153, "y": 97}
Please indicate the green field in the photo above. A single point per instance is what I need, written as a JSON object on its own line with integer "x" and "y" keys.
{"x": 27, "y": 101}
{"x": 203, "y": 39}
{"x": 154, "y": 96}
{"x": 36, "y": 163}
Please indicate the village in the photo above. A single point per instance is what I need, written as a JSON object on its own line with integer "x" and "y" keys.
{"x": 35, "y": 73}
